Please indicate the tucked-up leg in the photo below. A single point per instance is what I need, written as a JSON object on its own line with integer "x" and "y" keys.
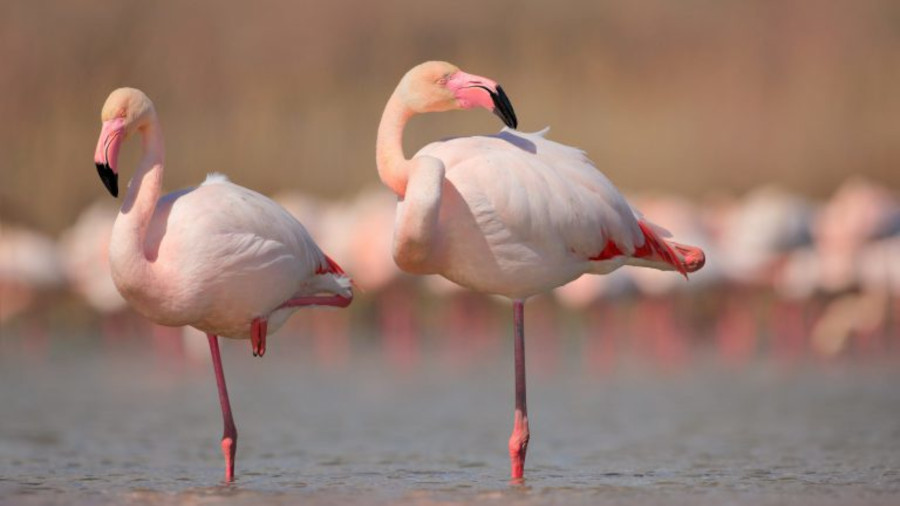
{"x": 259, "y": 326}
{"x": 318, "y": 300}
{"x": 258, "y": 330}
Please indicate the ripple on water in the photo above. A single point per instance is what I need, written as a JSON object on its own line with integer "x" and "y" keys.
{"x": 609, "y": 441}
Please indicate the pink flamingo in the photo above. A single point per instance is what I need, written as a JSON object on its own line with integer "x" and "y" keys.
{"x": 391, "y": 294}
{"x": 30, "y": 272}
{"x": 218, "y": 257}
{"x": 511, "y": 214}
{"x": 852, "y": 241}
{"x": 752, "y": 263}
{"x": 84, "y": 250}
{"x": 86, "y": 246}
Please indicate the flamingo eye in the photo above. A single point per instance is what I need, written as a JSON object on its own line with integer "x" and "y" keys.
{"x": 442, "y": 81}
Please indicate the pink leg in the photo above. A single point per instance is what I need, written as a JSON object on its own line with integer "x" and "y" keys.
{"x": 259, "y": 326}
{"x": 258, "y": 330}
{"x": 229, "y": 438}
{"x": 318, "y": 300}
{"x": 518, "y": 441}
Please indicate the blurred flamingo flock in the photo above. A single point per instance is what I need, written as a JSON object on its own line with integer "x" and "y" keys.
{"x": 787, "y": 278}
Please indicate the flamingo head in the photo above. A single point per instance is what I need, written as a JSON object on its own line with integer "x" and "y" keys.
{"x": 437, "y": 86}
{"x": 126, "y": 110}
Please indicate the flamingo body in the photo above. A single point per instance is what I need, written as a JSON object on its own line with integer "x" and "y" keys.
{"x": 520, "y": 214}
{"x": 511, "y": 221}
{"x": 253, "y": 257}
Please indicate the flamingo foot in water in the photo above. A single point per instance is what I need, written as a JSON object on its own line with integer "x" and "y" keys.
{"x": 229, "y": 449}
{"x": 518, "y": 445}
{"x": 518, "y": 441}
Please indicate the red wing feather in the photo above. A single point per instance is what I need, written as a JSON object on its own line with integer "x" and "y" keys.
{"x": 686, "y": 259}
{"x": 330, "y": 267}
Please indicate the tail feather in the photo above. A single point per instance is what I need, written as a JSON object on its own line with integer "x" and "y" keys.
{"x": 682, "y": 258}
{"x": 331, "y": 267}
{"x": 655, "y": 247}
{"x": 342, "y": 278}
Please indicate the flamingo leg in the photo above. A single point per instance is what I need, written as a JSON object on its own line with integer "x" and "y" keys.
{"x": 318, "y": 300}
{"x": 518, "y": 441}
{"x": 258, "y": 329}
{"x": 259, "y": 326}
{"x": 229, "y": 436}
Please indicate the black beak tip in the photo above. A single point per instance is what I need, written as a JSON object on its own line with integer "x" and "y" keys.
{"x": 504, "y": 109}
{"x": 110, "y": 179}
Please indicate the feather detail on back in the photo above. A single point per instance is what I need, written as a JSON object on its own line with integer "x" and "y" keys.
{"x": 215, "y": 177}
{"x": 540, "y": 133}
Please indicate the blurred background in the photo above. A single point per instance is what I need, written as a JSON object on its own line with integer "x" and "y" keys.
{"x": 767, "y": 132}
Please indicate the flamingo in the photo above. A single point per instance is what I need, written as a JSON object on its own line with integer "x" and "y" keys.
{"x": 218, "y": 257}
{"x": 511, "y": 214}
{"x": 84, "y": 250}
{"x": 30, "y": 269}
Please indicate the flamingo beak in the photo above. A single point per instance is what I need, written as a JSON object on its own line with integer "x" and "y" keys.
{"x": 469, "y": 92}
{"x": 503, "y": 108}
{"x": 110, "y": 179}
{"x": 106, "y": 156}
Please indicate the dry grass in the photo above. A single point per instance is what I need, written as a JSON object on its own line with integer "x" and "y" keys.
{"x": 694, "y": 96}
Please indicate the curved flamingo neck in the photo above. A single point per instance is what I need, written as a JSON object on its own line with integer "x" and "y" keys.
{"x": 146, "y": 184}
{"x": 393, "y": 167}
{"x": 140, "y": 200}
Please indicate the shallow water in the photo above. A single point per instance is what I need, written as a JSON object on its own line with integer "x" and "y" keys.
{"x": 86, "y": 421}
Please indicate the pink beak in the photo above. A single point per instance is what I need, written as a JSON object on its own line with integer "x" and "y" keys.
{"x": 106, "y": 156}
{"x": 476, "y": 91}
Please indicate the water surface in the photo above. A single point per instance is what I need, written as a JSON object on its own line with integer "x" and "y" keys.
{"x": 89, "y": 421}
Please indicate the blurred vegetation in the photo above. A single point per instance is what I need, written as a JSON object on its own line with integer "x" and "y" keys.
{"x": 694, "y": 96}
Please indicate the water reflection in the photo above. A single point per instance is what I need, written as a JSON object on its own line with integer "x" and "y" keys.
{"x": 92, "y": 421}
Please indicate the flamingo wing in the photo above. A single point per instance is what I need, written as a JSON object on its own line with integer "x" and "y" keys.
{"x": 239, "y": 256}
{"x": 531, "y": 190}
